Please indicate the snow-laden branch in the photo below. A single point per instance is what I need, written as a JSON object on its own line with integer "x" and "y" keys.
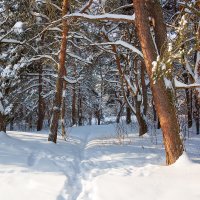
{"x": 54, "y": 29}
{"x": 129, "y": 46}
{"x": 105, "y": 17}
{"x": 39, "y": 15}
{"x": 180, "y": 85}
{"x": 133, "y": 88}
{"x": 72, "y": 81}
{"x": 124, "y": 44}
{"x": 13, "y": 41}
{"x": 39, "y": 57}
{"x": 78, "y": 58}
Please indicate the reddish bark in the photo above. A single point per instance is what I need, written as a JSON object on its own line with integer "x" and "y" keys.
{"x": 59, "y": 81}
{"x": 162, "y": 97}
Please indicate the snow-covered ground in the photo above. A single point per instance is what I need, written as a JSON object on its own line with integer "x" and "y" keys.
{"x": 95, "y": 165}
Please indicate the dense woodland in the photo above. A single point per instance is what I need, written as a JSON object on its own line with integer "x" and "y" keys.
{"x": 64, "y": 63}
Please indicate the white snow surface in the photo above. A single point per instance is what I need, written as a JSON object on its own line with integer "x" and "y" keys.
{"x": 93, "y": 164}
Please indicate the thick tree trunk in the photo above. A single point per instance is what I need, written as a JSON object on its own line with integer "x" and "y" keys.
{"x": 59, "y": 81}
{"x": 162, "y": 97}
{"x": 41, "y": 104}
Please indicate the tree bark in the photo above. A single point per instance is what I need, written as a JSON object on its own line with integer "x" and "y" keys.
{"x": 162, "y": 97}
{"x": 63, "y": 109}
{"x": 128, "y": 110}
{"x": 59, "y": 81}
{"x": 188, "y": 100}
{"x": 2, "y": 122}
{"x": 196, "y": 112}
{"x": 119, "y": 112}
{"x": 142, "y": 123}
{"x": 41, "y": 104}
{"x": 74, "y": 114}
{"x": 80, "y": 108}
{"x": 144, "y": 88}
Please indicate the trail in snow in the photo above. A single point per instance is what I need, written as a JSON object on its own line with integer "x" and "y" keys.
{"x": 88, "y": 165}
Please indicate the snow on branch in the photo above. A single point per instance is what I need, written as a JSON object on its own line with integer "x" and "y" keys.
{"x": 129, "y": 46}
{"x": 43, "y": 56}
{"x": 179, "y": 85}
{"x": 13, "y": 41}
{"x": 124, "y": 44}
{"x": 78, "y": 58}
{"x": 36, "y": 14}
{"x": 110, "y": 17}
{"x": 72, "y": 81}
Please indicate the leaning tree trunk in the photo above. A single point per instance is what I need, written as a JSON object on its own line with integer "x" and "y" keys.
{"x": 59, "y": 81}
{"x": 162, "y": 97}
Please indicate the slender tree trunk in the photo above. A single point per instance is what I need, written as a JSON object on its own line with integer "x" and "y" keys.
{"x": 74, "y": 114}
{"x": 188, "y": 100}
{"x": 144, "y": 89}
{"x": 162, "y": 97}
{"x": 63, "y": 109}
{"x": 140, "y": 118}
{"x": 41, "y": 104}
{"x": 128, "y": 110}
{"x": 80, "y": 109}
{"x": 196, "y": 113}
{"x": 99, "y": 118}
{"x": 59, "y": 81}
{"x": 12, "y": 124}
{"x": 2, "y": 123}
{"x": 90, "y": 118}
{"x": 119, "y": 112}
{"x": 30, "y": 125}
{"x": 138, "y": 101}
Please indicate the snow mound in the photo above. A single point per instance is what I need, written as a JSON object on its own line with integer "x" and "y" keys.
{"x": 183, "y": 160}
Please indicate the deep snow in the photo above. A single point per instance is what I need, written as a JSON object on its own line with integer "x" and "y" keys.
{"x": 95, "y": 165}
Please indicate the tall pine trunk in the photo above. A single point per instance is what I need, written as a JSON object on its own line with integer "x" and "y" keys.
{"x": 59, "y": 81}
{"x": 162, "y": 97}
